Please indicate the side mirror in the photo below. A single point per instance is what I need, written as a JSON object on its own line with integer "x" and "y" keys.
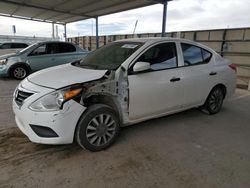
{"x": 141, "y": 66}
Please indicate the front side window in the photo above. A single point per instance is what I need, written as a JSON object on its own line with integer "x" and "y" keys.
{"x": 194, "y": 55}
{"x": 161, "y": 56}
{"x": 28, "y": 48}
{"x": 41, "y": 50}
{"x": 110, "y": 56}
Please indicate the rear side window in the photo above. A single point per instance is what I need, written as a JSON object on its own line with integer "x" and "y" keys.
{"x": 52, "y": 48}
{"x": 66, "y": 48}
{"x": 194, "y": 55}
{"x": 206, "y": 56}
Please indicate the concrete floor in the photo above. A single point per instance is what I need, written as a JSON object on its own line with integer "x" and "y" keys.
{"x": 189, "y": 149}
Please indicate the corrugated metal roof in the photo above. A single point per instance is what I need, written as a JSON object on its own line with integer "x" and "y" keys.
{"x": 66, "y": 11}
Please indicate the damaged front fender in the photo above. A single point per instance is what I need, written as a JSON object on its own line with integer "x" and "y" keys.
{"x": 111, "y": 90}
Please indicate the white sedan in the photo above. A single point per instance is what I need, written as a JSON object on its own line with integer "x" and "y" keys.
{"x": 122, "y": 83}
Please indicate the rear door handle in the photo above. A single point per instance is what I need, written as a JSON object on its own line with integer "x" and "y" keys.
{"x": 212, "y": 73}
{"x": 175, "y": 79}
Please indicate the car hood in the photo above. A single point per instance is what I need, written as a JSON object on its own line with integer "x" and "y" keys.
{"x": 7, "y": 55}
{"x": 64, "y": 75}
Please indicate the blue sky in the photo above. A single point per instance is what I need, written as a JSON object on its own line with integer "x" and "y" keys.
{"x": 182, "y": 15}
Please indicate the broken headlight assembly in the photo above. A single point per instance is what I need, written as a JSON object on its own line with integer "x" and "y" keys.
{"x": 54, "y": 101}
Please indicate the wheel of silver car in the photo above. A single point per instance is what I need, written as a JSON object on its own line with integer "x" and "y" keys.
{"x": 97, "y": 128}
{"x": 215, "y": 100}
{"x": 19, "y": 72}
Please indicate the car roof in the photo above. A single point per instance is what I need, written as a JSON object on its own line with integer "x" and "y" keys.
{"x": 160, "y": 39}
{"x": 47, "y": 42}
{"x": 153, "y": 39}
{"x": 13, "y": 43}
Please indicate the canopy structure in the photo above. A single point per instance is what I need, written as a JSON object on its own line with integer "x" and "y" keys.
{"x": 68, "y": 11}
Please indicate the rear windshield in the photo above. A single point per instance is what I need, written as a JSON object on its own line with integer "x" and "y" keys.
{"x": 111, "y": 56}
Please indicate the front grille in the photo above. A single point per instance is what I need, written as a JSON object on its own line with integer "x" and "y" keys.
{"x": 20, "y": 96}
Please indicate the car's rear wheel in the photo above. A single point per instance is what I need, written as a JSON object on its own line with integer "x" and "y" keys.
{"x": 215, "y": 100}
{"x": 98, "y": 128}
{"x": 19, "y": 72}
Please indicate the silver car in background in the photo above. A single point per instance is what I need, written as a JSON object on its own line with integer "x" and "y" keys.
{"x": 11, "y": 47}
{"x": 39, "y": 56}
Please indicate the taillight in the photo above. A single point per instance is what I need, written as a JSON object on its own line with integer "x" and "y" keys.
{"x": 233, "y": 66}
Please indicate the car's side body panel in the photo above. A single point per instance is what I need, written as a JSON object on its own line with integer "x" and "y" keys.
{"x": 153, "y": 93}
{"x": 192, "y": 90}
{"x": 227, "y": 75}
{"x": 197, "y": 83}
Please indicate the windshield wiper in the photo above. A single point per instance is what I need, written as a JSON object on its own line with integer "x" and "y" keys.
{"x": 88, "y": 66}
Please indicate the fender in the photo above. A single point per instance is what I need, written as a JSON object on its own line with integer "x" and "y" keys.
{"x": 17, "y": 64}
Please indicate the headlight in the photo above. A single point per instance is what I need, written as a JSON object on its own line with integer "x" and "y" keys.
{"x": 3, "y": 61}
{"x": 54, "y": 101}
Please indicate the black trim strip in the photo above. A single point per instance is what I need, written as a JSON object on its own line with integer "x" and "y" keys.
{"x": 44, "y": 132}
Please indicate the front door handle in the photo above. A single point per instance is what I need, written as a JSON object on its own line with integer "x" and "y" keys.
{"x": 175, "y": 79}
{"x": 212, "y": 73}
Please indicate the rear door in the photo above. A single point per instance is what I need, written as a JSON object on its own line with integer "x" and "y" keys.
{"x": 159, "y": 90}
{"x": 199, "y": 75}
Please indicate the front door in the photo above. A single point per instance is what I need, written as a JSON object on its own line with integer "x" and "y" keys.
{"x": 158, "y": 90}
{"x": 40, "y": 58}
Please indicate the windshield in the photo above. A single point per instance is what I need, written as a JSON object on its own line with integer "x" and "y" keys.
{"x": 111, "y": 56}
{"x": 27, "y": 48}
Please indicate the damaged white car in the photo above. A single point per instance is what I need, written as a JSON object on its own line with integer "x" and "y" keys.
{"x": 122, "y": 83}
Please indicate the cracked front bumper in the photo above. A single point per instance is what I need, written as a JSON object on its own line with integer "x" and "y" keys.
{"x": 39, "y": 126}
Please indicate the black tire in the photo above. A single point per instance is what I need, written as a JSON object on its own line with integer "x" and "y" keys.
{"x": 93, "y": 132}
{"x": 214, "y": 100}
{"x": 19, "y": 72}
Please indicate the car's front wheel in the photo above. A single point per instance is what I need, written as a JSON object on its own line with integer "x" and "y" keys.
{"x": 215, "y": 100}
{"x": 98, "y": 128}
{"x": 19, "y": 72}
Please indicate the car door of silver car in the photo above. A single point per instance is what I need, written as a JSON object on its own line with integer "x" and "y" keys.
{"x": 158, "y": 90}
{"x": 40, "y": 58}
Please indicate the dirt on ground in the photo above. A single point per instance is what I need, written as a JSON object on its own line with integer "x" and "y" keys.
{"x": 188, "y": 149}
